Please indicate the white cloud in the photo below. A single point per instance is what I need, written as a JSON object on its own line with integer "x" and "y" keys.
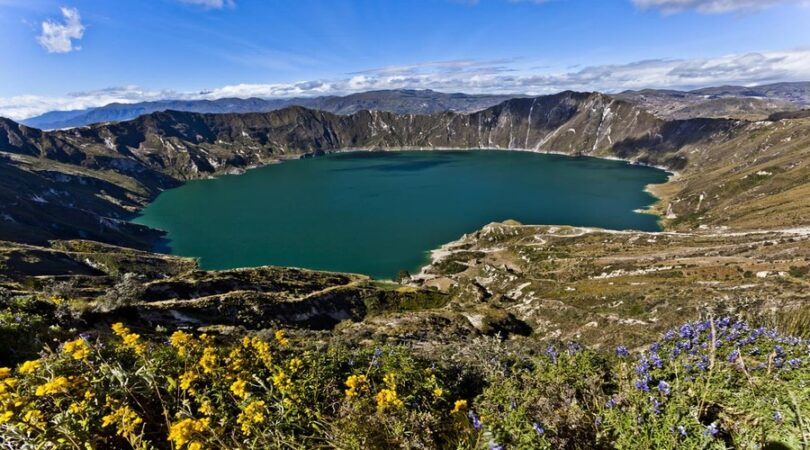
{"x": 211, "y": 4}
{"x": 710, "y": 6}
{"x": 471, "y": 76}
{"x": 58, "y": 37}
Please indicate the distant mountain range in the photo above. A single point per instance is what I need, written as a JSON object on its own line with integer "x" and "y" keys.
{"x": 396, "y": 101}
{"x": 739, "y": 102}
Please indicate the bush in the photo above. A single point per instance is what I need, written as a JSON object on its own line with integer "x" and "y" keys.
{"x": 711, "y": 384}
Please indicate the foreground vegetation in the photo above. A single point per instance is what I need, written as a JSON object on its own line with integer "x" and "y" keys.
{"x": 716, "y": 383}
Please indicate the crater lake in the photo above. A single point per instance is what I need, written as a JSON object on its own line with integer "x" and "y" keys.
{"x": 380, "y": 212}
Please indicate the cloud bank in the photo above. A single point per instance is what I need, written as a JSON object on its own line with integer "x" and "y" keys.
{"x": 470, "y": 76}
{"x": 710, "y": 6}
{"x": 211, "y": 4}
{"x": 58, "y": 37}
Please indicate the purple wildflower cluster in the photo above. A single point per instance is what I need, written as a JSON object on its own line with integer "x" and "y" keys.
{"x": 734, "y": 343}
{"x": 696, "y": 346}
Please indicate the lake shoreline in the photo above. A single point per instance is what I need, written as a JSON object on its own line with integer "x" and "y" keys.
{"x": 574, "y": 217}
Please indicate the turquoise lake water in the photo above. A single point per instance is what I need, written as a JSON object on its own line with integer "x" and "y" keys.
{"x": 379, "y": 212}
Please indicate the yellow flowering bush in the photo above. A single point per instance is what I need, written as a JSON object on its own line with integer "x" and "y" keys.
{"x": 186, "y": 391}
{"x": 77, "y": 348}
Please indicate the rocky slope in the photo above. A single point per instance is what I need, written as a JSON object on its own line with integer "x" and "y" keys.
{"x": 597, "y": 286}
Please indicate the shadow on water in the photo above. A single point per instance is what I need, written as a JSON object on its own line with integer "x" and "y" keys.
{"x": 409, "y": 166}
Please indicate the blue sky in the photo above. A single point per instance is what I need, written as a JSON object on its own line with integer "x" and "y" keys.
{"x": 78, "y": 53}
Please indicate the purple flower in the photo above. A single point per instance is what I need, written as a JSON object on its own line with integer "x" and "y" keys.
{"x": 711, "y": 430}
{"x": 795, "y": 362}
{"x": 681, "y": 430}
{"x": 642, "y": 367}
{"x": 733, "y": 356}
{"x": 474, "y": 420}
{"x": 538, "y": 427}
{"x": 641, "y": 385}
{"x": 656, "y": 405}
{"x": 656, "y": 361}
{"x": 495, "y": 446}
{"x": 551, "y": 352}
{"x": 663, "y": 387}
{"x": 611, "y": 403}
{"x": 622, "y": 351}
{"x": 777, "y": 417}
{"x": 687, "y": 331}
{"x": 375, "y": 360}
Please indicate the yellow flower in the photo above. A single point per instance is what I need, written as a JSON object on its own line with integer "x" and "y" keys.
{"x": 119, "y": 329}
{"x": 131, "y": 340}
{"x": 182, "y": 341}
{"x": 262, "y": 348}
{"x": 196, "y": 445}
{"x": 207, "y": 339}
{"x": 182, "y": 433}
{"x": 6, "y": 384}
{"x": 239, "y": 388}
{"x": 459, "y": 406}
{"x": 76, "y": 408}
{"x": 6, "y": 416}
{"x": 208, "y": 361}
{"x": 77, "y": 348}
{"x": 186, "y": 380}
{"x": 235, "y": 361}
{"x": 252, "y": 414}
{"x": 30, "y": 366}
{"x": 390, "y": 381}
{"x": 438, "y": 392}
{"x": 34, "y": 418}
{"x": 295, "y": 365}
{"x": 57, "y": 385}
{"x": 4, "y": 372}
{"x": 355, "y": 383}
{"x": 206, "y": 408}
{"x": 57, "y": 300}
{"x": 281, "y": 338}
{"x": 282, "y": 382}
{"x": 388, "y": 398}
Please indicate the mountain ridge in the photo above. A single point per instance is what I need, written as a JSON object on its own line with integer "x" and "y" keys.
{"x": 392, "y": 100}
